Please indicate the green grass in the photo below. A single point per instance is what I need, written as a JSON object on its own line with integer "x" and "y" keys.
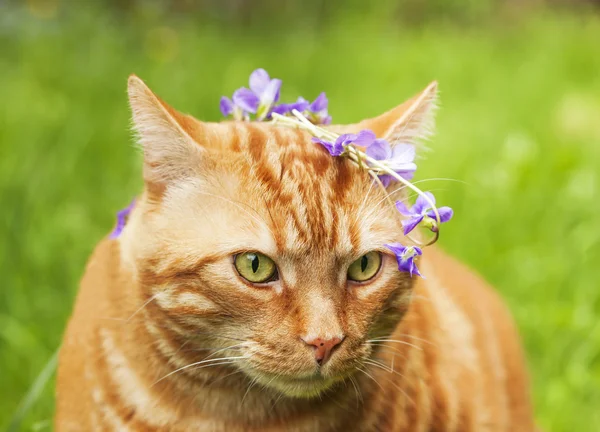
{"x": 519, "y": 124}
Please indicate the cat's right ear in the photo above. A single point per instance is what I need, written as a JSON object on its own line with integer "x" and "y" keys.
{"x": 166, "y": 136}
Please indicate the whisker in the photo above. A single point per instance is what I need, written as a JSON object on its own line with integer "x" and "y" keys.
{"x": 275, "y": 403}
{"x": 223, "y": 377}
{"x": 396, "y": 341}
{"x": 379, "y": 364}
{"x": 441, "y": 179}
{"x": 252, "y": 384}
{"x": 371, "y": 377}
{"x": 197, "y": 364}
{"x": 359, "y": 396}
{"x": 221, "y": 337}
{"x": 226, "y": 348}
{"x": 402, "y": 187}
{"x": 126, "y": 320}
{"x": 396, "y": 385}
{"x": 146, "y": 303}
{"x": 418, "y": 338}
{"x": 220, "y": 363}
{"x": 382, "y": 346}
{"x": 385, "y": 368}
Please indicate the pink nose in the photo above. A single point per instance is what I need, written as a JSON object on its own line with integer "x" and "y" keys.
{"x": 323, "y": 347}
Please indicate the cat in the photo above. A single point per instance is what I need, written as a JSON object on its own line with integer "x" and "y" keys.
{"x": 225, "y": 304}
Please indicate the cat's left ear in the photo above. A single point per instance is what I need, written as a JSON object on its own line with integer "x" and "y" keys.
{"x": 169, "y": 139}
{"x": 408, "y": 123}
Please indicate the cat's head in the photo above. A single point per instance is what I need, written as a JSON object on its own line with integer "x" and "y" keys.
{"x": 254, "y": 241}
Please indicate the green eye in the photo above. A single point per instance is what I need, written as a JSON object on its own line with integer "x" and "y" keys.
{"x": 365, "y": 267}
{"x": 255, "y": 267}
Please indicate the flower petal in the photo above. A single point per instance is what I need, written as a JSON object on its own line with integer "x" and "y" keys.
{"x": 226, "y": 106}
{"x": 319, "y": 104}
{"x": 259, "y": 80}
{"x": 385, "y": 179}
{"x": 445, "y": 212}
{"x": 286, "y": 108}
{"x": 407, "y": 171}
{"x": 404, "y": 211}
{"x": 413, "y": 269}
{"x": 282, "y": 109}
{"x": 410, "y": 224}
{"x": 379, "y": 150}
{"x": 271, "y": 92}
{"x": 405, "y": 257}
{"x": 246, "y": 100}
{"x": 365, "y": 138}
{"x": 326, "y": 120}
{"x": 122, "y": 216}
{"x": 402, "y": 158}
{"x": 397, "y": 248}
{"x": 345, "y": 139}
{"x": 403, "y": 152}
{"x": 334, "y": 149}
{"x": 422, "y": 205}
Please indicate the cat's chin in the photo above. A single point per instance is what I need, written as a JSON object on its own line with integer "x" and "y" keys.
{"x": 303, "y": 388}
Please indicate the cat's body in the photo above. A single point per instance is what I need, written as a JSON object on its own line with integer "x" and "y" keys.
{"x": 439, "y": 354}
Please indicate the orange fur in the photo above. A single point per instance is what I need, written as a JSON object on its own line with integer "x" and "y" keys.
{"x": 162, "y": 303}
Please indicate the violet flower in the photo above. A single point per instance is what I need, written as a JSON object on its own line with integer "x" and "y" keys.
{"x": 258, "y": 99}
{"x": 246, "y": 100}
{"x": 122, "y": 216}
{"x": 226, "y": 106}
{"x": 266, "y": 91}
{"x": 362, "y": 139}
{"x": 420, "y": 211}
{"x": 399, "y": 159}
{"x": 300, "y": 105}
{"x": 405, "y": 255}
{"x": 317, "y": 111}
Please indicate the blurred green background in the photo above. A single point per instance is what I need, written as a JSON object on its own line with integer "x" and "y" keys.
{"x": 519, "y": 128}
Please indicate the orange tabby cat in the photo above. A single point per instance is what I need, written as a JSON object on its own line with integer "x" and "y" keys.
{"x": 226, "y": 303}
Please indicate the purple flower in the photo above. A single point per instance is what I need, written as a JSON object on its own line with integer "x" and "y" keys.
{"x": 264, "y": 87}
{"x": 405, "y": 255}
{"x": 230, "y": 108}
{"x": 362, "y": 139}
{"x": 226, "y": 106}
{"x": 266, "y": 90}
{"x": 121, "y": 220}
{"x": 399, "y": 159}
{"x": 246, "y": 100}
{"x": 258, "y": 99}
{"x": 422, "y": 210}
{"x": 336, "y": 148}
{"x": 300, "y": 105}
{"x": 317, "y": 111}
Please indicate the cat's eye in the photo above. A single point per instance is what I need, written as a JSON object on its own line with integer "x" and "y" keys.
{"x": 365, "y": 268}
{"x": 255, "y": 267}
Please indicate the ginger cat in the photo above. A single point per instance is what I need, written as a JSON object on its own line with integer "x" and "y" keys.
{"x": 225, "y": 304}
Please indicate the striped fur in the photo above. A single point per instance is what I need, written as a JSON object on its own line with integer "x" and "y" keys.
{"x": 166, "y": 336}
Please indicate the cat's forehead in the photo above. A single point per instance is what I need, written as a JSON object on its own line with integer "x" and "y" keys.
{"x": 313, "y": 200}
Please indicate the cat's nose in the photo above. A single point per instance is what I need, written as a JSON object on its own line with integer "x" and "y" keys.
{"x": 323, "y": 347}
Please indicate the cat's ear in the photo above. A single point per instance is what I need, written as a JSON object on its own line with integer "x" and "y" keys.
{"x": 408, "y": 123}
{"x": 166, "y": 136}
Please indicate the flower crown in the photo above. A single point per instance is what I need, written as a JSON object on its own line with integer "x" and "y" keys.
{"x": 383, "y": 162}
